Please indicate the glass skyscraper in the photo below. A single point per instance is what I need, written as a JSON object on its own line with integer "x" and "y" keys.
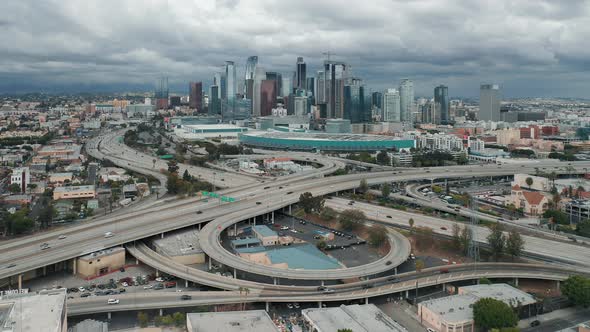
{"x": 442, "y": 104}
{"x": 489, "y": 102}
{"x": 391, "y": 106}
{"x": 300, "y": 76}
{"x": 406, "y": 93}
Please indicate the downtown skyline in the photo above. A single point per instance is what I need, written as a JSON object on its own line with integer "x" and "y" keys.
{"x": 75, "y": 47}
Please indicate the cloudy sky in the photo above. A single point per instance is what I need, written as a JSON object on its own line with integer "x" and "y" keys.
{"x": 531, "y": 47}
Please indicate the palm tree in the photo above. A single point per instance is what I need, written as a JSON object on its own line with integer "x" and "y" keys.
{"x": 411, "y": 223}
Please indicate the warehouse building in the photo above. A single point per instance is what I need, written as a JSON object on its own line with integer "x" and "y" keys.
{"x": 231, "y": 321}
{"x": 358, "y": 318}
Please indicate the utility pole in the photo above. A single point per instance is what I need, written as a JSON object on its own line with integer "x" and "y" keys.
{"x": 473, "y": 250}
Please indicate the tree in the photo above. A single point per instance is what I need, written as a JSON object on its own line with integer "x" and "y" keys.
{"x": 14, "y": 188}
{"x": 321, "y": 245}
{"x": 186, "y": 176}
{"x": 143, "y": 319}
{"x": 179, "y": 319}
{"x": 383, "y": 158}
{"x": 577, "y": 290}
{"x": 490, "y": 313}
{"x": 456, "y": 236}
{"x": 529, "y": 181}
{"x": 583, "y": 228}
{"x": 411, "y": 223}
{"x": 385, "y": 190}
{"x": 350, "y": 218}
{"x": 328, "y": 213}
{"x": 311, "y": 203}
{"x": 377, "y": 235}
{"x": 484, "y": 281}
{"x": 173, "y": 184}
{"x": 47, "y": 214}
{"x": 363, "y": 185}
{"x": 465, "y": 239}
{"x": 497, "y": 241}
{"x": 514, "y": 244}
{"x": 172, "y": 167}
{"x": 419, "y": 265}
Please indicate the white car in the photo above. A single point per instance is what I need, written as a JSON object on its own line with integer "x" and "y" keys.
{"x": 108, "y": 234}
{"x": 284, "y": 228}
{"x": 159, "y": 279}
{"x": 61, "y": 237}
{"x": 290, "y": 306}
{"x": 124, "y": 284}
{"x": 148, "y": 286}
{"x": 81, "y": 289}
{"x": 113, "y": 301}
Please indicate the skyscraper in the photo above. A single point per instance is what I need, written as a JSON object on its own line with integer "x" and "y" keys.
{"x": 377, "y": 99}
{"x": 196, "y": 96}
{"x": 406, "y": 93}
{"x": 391, "y": 106}
{"x": 214, "y": 101}
{"x": 259, "y": 76}
{"x": 230, "y": 77}
{"x": 310, "y": 85}
{"x": 268, "y": 97}
{"x": 300, "y": 105}
{"x": 161, "y": 93}
{"x": 300, "y": 77}
{"x": 219, "y": 80}
{"x": 251, "y": 65}
{"x": 320, "y": 88}
{"x": 354, "y": 97}
{"x": 334, "y": 77}
{"x": 489, "y": 102}
{"x": 442, "y": 104}
{"x": 286, "y": 84}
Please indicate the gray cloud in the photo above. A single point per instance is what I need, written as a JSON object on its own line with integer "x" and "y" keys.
{"x": 531, "y": 47}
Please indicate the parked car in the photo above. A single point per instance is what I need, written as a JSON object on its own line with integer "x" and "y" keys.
{"x": 159, "y": 286}
{"x": 170, "y": 284}
{"x": 85, "y": 295}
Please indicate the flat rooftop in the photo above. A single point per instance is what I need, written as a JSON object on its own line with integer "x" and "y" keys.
{"x": 502, "y": 292}
{"x": 179, "y": 243}
{"x": 74, "y": 188}
{"x": 33, "y": 312}
{"x": 102, "y": 253}
{"x": 305, "y": 256}
{"x": 356, "y": 317}
{"x": 264, "y": 230}
{"x": 455, "y": 308}
{"x": 321, "y": 136}
{"x": 212, "y": 126}
{"x": 232, "y": 321}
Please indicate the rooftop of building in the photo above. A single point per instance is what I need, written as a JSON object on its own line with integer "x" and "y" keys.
{"x": 232, "y": 321}
{"x": 356, "y": 317}
{"x": 320, "y": 136}
{"x": 304, "y": 256}
{"x": 213, "y": 126}
{"x": 102, "y": 253}
{"x": 502, "y": 292}
{"x": 455, "y": 308}
{"x": 264, "y": 230}
{"x": 74, "y": 188}
{"x": 179, "y": 243}
{"x": 246, "y": 241}
{"x": 42, "y": 311}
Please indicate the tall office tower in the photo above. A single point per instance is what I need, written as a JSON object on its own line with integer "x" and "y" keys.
{"x": 368, "y": 105}
{"x": 268, "y": 97}
{"x": 259, "y": 76}
{"x": 377, "y": 99}
{"x": 287, "y": 84}
{"x": 442, "y": 104}
{"x": 320, "y": 88}
{"x": 214, "y": 100}
{"x": 300, "y": 77}
{"x": 334, "y": 77}
{"x": 310, "y": 85}
{"x": 220, "y": 80}
{"x": 195, "y": 96}
{"x": 251, "y": 65}
{"x": 300, "y": 105}
{"x": 161, "y": 93}
{"x": 354, "y": 100}
{"x": 392, "y": 106}
{"x": 231, "y": 82}
{"x": 277, "y": 78}
{"x": 489, "y": 102}
{"x": 406, "y": 93}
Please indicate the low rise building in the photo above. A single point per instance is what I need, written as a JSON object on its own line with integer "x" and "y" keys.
{"x": 533, "y": 203}
{"x": 74, "y": 192}
{"x": 267, "y": 236}
{"x": 100, "y": 262}
{"x": 181, "y": 246}
{"x": 22, "y": 177}
{"x": 231, "y": 321}
{"x": 60, "y": 178}
{"x": 44, "y": 311}
{"x": 358, "y": 318}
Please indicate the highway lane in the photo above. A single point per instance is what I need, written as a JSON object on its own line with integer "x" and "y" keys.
{"x": 403, "y": 283}
{"x": 567, "y": 252}
{"x": 273, "y": 198}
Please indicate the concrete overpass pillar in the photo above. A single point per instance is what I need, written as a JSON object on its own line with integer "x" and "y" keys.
{"x": 516, "y": 282}
{"x": 235, "y": 274}
{"x": 322, "y": 283}
{"x": 395, "y": 270}
{"x": 274, "y": 281}
{"x": 109, "y": 315}
{"x": 407, "y": 294}
{"x": 136, "y": 261}
{"x": 558, "y": 284}
{"x": 235, "y": 229}
{"x": 186, "y": 284}
{"x": 162, "y": 236}
{"x": 320, "y": 304}
{"x": 45, "y": 269}
{"x": 199, "y": 227}
{"x": 20, "y": 281}
{"x": 75, "y": 266}
{"x": 267, "y": 306}
{"x": 254, "y": 220}
{"x": 210, "y": 264}
{"x": 366, "y": 300}
{"x": 157, "y": 273}
{"x": 272, "y": 216}
{"x": 161, "y": 312}
{"x": 289, "y": 208}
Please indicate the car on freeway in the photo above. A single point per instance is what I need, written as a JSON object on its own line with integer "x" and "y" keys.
{"x": 186, "y": 297}
{"x": 535, "y": 323}
{"x": 443, "y": 228}
{"x": 113, "y": 301}
{"x": 108, "y": 234}
{"x": 10, "y": 266}
{"x": 388, "y": 217}
{"x": 85, "y": 295}
{"x": 258, "y": 203}
{"x": 328, "y": 290}
{"x": 199, "y": 212}
{"x": 61, "y": 237}
{"x": 322, "y": 288}
{"x": 148, "y": 286}
{"x": 45, "y": 245}
{"x": 444, "y": 270}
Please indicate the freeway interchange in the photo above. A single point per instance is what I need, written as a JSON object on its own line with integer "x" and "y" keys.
{"x": 257, "y": 197}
